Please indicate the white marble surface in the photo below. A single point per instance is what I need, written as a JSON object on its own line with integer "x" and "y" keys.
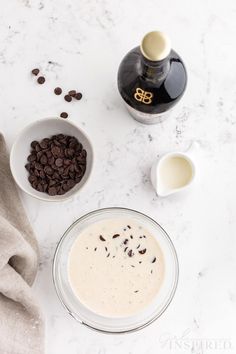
{"x": 85, "y": 40}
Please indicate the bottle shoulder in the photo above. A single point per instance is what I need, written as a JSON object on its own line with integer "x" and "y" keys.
{"x": 165, "y": 92}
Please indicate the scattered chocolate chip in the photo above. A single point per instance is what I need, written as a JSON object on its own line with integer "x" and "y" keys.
{"x": 57, "y": 91}
{"x": 126, "y": 241}
{"x": 106, "y": 249}
{"x": 136, "y": 291}
{"x": 72, "y": 93}
{"x": 129, "y": 227}
{"x": 68, "y": 98}
{"x": 132, "y": 266}
{"x": 64, "y": 115}
{"x": 95, "y": 249}
{"x": 116, "y": 235}
{"x": 35, "y": 72}
{"x": 130, "y": 253}
{"x": 140, "y": 262}
{"x": 138, "y": 246}
{"x": 140, "y": 237}
{"x": 151, "y": 271}
{"x": 125, "y": 249}
{"x": 102, "y": 238}
{"x": 142, "y": 251}
{"x": 144, "y": 236}
{"x": 131, "y": 236}
{"x": 41, "y": 80}
{"x": 108, "y": 254}
{"x": 78, "y": 96}
{"x": 154, "y": 260}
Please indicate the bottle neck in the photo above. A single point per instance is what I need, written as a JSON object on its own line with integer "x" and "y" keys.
{"x": 155, "y": 70}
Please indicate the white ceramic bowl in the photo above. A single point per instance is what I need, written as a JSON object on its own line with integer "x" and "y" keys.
{"x": 37, "y": 131}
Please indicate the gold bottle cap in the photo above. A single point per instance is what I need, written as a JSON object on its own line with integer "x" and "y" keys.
{"x": 155, "y": 46}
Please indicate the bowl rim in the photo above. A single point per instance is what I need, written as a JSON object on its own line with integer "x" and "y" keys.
{"x": 13, "y": 147}
{"x": 58, "y": 292}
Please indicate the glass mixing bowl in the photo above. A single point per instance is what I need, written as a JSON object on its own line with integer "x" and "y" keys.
{"x": 110, "y": 324}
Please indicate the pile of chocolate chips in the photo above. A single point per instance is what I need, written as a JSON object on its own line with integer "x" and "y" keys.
{"x": 56, "y": 164}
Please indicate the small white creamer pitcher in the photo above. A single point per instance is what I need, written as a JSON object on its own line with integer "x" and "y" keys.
{"x": 173, "y": 172}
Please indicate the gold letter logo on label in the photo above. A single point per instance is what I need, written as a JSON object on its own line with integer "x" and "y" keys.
{"x": 143, "y": 96}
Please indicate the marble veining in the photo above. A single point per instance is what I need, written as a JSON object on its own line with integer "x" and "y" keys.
{"x": 79, "y": 44}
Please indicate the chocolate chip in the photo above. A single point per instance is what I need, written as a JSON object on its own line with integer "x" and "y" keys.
{"x": 126, "y": 241}
{"x": 33, "y": 144}
{"x": 41, "y": 80}
{"x": 72, "y": 93}
{"x": 38, "y": 166}
{"x": 78, "y": 96}
{"x": 57, "y": 91}
{"x": 142, "y": 251}
{"x": 59, "y": 162}
{"x": 56, "y": 151}
{"x": 35, "y": 72}
{"x": 44, "y": 160}
{"x": 68, "y": 98}
{"x": 125, "y": 249}
{"x": 52, "y": 191}
{"x": 31, "y": 157}
{"x": 129, "y": 227}
{"x": 130, "y": 253}
{"x": 71, "y": 183}
{"x": 42, "y": 174}
{"x": 51, "y": 160}
{"x": 102, "y": 238}
{"x": 116, "y": 235}
{"x": 138, "y": 246}
{"x": 39, "y": 187}
{"x": 32, "y": 178}
{"x": 27, "y": 166}
{"x": 64, "y": 115}
{"x": 44, "y": 143}
{"x": 154, "y": 260}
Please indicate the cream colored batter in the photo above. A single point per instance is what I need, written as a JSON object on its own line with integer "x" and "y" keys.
{"x": 116, "y": 267}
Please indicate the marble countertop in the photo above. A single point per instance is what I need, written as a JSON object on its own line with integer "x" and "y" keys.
{"x": 84, "y": 41}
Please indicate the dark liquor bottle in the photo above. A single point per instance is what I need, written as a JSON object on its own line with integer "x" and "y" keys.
{"x": 151, "y": 79}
